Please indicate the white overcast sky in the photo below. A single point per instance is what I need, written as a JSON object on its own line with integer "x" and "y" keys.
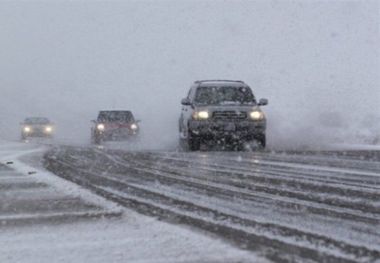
{"x": 68, "y": 59}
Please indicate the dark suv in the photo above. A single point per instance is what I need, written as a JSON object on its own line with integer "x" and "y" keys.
{"x": 114, "y": 125}
{"x": 221, "y": 112}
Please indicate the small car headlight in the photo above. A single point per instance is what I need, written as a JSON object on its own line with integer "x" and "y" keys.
{"x": 100, "y": 127}
{"x": 134, "y": 126}
{"x": 257, "y": 115}
{"x": 201, "y": 115}
{"x": 48, "y": 129}
{"x": 27, "y": 129}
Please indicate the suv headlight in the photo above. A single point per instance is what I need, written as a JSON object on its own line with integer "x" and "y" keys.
{"x": 257, "y": 115}
{"x": 100, "y": 127}
{"x": 134, "y": 126}
{"x": 27, "y": 129}
{"x": 201, "y": 115}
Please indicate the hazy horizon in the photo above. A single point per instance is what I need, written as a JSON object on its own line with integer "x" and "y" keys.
{"x": 317, "y": 62}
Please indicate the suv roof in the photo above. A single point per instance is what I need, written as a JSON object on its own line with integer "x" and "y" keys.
{"x": 218, "y": 80}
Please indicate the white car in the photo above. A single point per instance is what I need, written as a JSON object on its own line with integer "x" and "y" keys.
{"x": 37, "y": 127}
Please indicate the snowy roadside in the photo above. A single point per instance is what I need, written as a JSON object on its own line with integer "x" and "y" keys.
{"x": 128, "y": 238}
{"x": 29, "y": 162}
{"x": 360, "y": 147}
{"x": 131, "y": 239}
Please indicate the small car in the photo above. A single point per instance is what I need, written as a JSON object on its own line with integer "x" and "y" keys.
{"x": 37, "y": 127}
{"x": 113, "y": 125}
{"x": 221, "y": 112}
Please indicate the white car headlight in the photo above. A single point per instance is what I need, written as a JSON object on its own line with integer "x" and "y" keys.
{"x": 201, "y": 115}
{"x": 100, "y": 127}
{"x": 27, "y": 129}
{"x": 134, "y": 126}
{"x": 257, "y": 115}
{"x": 48, "y": 129}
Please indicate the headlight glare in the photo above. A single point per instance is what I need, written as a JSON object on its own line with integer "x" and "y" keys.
{"x": 134, "y": 126}
{"x": 48, "y": 129}
{"x": 201, "y": 115}
{"x": 257, "y": 115}
{"x": 100, "y": 127}
{"x": 27, "y": 129}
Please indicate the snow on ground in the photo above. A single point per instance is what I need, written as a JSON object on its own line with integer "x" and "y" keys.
{"x": 133, "y": 238}
{"x": 127, "y": 238}
{"x": 346, "y": 147}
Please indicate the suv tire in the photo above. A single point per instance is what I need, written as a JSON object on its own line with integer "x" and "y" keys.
{"x": 194, "y": 144}
{"x": 262, "y": 141}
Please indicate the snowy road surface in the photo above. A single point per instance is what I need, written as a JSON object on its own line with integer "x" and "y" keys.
{"x": 28, "y": 195}
{"x": 287, "y": 206}
{"x": 47, "y": 219}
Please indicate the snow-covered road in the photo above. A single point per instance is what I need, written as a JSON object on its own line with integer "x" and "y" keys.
{"x": 322, "y": 207}
{"x": 47, "y": 219}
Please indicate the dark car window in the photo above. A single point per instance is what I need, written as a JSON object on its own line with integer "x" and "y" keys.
{"x": 224, "y": 95}
{"x": 115, "y": 116}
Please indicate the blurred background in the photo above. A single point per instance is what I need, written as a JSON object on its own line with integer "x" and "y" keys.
{"x": 317, "y": 62}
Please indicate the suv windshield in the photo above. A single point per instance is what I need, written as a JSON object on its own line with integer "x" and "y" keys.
{"x": 224, "y": 95}
{"x": 115, "y": 116}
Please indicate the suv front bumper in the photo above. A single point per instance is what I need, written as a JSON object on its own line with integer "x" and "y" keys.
{"x": 227, "y": 129}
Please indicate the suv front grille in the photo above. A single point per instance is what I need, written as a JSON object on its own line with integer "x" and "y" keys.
{"x": 229, "y": 115}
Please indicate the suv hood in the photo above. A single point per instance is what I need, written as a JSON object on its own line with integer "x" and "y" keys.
{"x": 241, "y": 108}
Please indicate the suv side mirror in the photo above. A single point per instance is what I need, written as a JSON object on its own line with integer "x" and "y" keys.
{"x": 263, "y": 102}
{"x": 186, "y": 102}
